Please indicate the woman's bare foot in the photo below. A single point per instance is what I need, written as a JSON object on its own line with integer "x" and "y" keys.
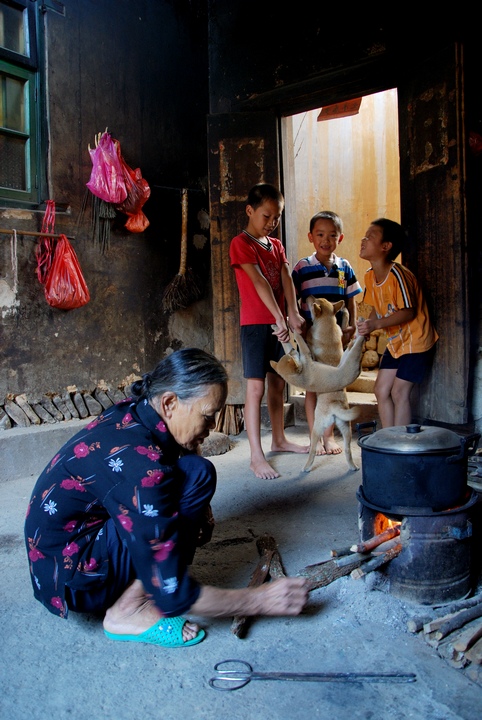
{"x": 133, "y": 613}
{"x": 331, "y": 446}
{"x": 262, "y": 469}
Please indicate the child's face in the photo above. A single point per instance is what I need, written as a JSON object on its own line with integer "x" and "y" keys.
{"x": 265, "y": 219}
{"x": 325, "y": 238}
{"x": 372, "y": 245}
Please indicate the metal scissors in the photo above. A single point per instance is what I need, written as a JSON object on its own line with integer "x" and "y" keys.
{"x": 235, "y": 674}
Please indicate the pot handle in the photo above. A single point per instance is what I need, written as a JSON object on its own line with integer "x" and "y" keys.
{"x": 468, "y": 446}
{"x": 364, "y": 426}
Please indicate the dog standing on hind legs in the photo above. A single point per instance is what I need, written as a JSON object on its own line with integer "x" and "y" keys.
{"x": 324, "y": 338}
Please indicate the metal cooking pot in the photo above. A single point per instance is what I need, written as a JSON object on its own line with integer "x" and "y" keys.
{"x": 415, "y": 466}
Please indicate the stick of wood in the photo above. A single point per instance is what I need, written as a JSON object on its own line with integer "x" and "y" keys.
{"x": 341, "y": 552}
{"x": 374, "y": 542}
{"x": 416, "y": 623}
{"x": 276, "y": 569}
{"x": 385, "y": 546}
{"x": 375, "y": 563}
{"x": 266, "y": 546}
{"x": 468, "y": 636}
{"x": 351, "y": 558}
{"x": 474, "y": 655}
{"x": 457, "y": 621}
{"x": 324, "y": 573}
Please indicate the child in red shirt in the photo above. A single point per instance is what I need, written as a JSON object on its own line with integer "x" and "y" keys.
{"x": 266, "y": 289}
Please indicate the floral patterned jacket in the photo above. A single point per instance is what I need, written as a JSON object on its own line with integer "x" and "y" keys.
{"x": 119, "y": 466}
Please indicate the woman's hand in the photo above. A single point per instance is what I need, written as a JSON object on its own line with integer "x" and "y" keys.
{"x": 286, "y": 596}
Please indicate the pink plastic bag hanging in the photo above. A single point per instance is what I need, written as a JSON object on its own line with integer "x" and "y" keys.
{"x": 107, "y": 180}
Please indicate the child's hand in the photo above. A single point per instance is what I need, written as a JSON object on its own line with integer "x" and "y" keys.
{"x": 297, "y": 323}
{"x": 281, "y": 331}
{"x": 365, "y": 327}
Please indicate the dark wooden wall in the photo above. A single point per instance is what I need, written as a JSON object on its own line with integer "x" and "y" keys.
{"x": 140, "y": 70}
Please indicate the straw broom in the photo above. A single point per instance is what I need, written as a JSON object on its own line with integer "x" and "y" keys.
{"x": 183, "y": 289}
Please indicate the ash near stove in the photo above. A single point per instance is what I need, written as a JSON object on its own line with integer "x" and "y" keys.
{"x": 415, "y": 477}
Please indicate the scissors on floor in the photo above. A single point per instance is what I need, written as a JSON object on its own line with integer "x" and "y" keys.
{"x": 235, "y": 674}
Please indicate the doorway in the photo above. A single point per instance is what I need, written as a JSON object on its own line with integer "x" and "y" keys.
{"x": 350, "y": 165}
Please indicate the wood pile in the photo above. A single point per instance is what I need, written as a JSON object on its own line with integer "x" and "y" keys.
{"x": 22, "y": 411}
{"x": 455, "y": 631}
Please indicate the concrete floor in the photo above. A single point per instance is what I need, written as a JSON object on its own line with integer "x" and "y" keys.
{"x": 52, "y": 668}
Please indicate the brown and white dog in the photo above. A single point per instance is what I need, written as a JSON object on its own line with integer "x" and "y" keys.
{"x": 327, "y": 375}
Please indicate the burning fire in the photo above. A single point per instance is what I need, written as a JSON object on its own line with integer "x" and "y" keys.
{"x": 382, "y": 523}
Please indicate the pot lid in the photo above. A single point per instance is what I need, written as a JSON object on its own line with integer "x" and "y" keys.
{"x": 412, "y": 439}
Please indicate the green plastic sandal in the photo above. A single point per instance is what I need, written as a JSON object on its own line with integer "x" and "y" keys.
{"x": 167, "y": 632}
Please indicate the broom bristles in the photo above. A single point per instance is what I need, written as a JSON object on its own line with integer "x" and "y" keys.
{"x": 181, "y": 292}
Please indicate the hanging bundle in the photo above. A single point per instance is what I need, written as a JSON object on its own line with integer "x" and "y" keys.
{"x": 58, "y": 268}
{"x": 65, "y": 287}
{"x": 107, "y": 177}
{"x": 44, "y": 251}
{"x": 183, "y": 289}
{"x": 138, "y": 192}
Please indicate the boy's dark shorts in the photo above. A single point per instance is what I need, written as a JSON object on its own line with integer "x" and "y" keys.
{"x": 411, "y": 367}
{"x": 259, "y": 346}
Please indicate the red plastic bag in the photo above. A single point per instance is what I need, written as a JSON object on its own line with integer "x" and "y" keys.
{"x": 107, "y": 180}
{"x": 44, "y": 251}
{"x": 138, "y": 191}
{"x": 65, "y": 287}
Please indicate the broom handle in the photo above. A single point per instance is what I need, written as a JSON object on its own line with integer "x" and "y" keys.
{"x": 182, "y": 265}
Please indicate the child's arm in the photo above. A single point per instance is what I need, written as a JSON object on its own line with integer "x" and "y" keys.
{"x": 297, "y": 321}
{"x": 400, "y": 317}
{"x": 265, "y": 292}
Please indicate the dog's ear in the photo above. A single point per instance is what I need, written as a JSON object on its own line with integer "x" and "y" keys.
{"x": 338, "y": 306}
{"x": 316, "y": 310}
{"x": 293, "y": 364}
{"x": 273, "y": 364}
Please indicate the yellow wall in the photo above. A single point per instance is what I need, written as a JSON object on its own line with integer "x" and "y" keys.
{"x": 348, "y": 165}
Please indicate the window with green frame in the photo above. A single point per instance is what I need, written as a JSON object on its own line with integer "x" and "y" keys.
{"x": 19, "y": 114}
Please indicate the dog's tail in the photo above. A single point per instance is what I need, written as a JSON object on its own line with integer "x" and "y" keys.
{"x": 338, "y": 410}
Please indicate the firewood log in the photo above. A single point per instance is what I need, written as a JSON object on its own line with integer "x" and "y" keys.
{"x": 457, "y": 620}
{"x": 416, "y": 623}
{"x": 376, "y": 563}
{"x": 266, "y": 547}
{"x": 374, "y": 542}
{"x": 324, "y": 573}
{"x": 276, "y": 569}
{"x": 469, "y": 635}
{"x": 474, "y": 654}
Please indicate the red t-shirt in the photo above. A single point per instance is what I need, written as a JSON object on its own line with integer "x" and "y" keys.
{"x": 245, "y": 251}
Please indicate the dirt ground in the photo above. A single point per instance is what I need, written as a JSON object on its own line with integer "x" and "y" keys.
{"x": 52, "y": 668}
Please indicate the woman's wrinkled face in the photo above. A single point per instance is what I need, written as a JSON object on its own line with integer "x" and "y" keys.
{"x": 190, "y": 421}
